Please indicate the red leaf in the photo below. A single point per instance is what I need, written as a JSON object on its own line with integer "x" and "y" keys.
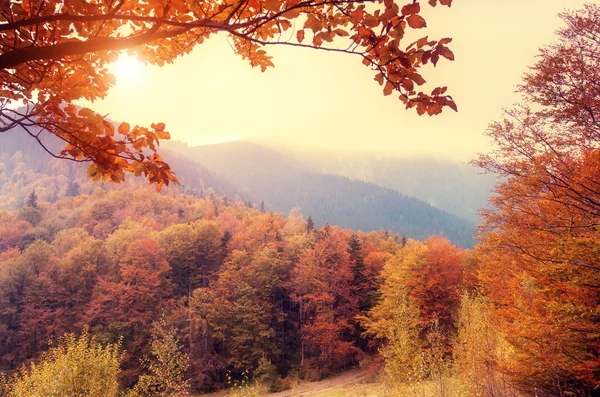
{"x": 434, "y": 108}
{"x": 417, "y": 78}
{"x": 411, "y": 9}
{"x": 416, "y": 21}
{"x": 408, "y": 84}
{"x": 388, "y": 89}
{"x": 439, "y": 91}
{"x": 446, "y": 53}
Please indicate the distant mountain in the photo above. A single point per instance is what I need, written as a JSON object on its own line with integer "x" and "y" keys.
{"x": 284, "y": 183}
{"x": 455, "y": 187}
{"x": 241, "y": 171}
{"x": 25, "y": 166}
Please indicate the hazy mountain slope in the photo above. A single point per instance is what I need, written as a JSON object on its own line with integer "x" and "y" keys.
{"x": 238, "y": 170}
{"x": 264, "y": 174}
{"x": 455, "y": 187}
{"x": 25, "y": 166}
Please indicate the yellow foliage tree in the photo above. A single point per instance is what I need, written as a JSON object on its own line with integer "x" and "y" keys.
{"x": 394, "y": 322}
{"x": 76, "y": 367}
{"x": 479, "y": 349}
{"x": 166, "y": 366}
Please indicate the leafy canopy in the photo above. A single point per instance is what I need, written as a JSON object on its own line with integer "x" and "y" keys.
{"x": 55, "y": 52}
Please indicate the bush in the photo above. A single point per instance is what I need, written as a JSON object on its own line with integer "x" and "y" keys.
{"x": 76, "y": 367}
{"x": 279, "y": 384}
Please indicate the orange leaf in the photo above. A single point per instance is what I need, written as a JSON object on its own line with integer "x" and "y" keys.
{"x": 124, "y": 128}
{"x": 434, "y": 108}
{"x": 417, "y": 78}
{"x": 411, "y": 9}
{"x": 159, "y": 126}
{"x": 416, "y": 21}
{"x": 388, "y": 89}
{"x": 446, "y": 53}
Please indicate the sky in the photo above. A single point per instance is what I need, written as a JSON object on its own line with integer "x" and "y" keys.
{"x": 330, "y": 100}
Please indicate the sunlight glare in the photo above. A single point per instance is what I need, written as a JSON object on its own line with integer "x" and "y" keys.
{"x": 128, "y": 70}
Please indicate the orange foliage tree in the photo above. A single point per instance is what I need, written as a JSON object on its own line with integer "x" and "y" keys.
{"x": 321, "y": 285}
{"x": 128, "y": 307}
{"x": 541, "y": 247}
{"x": 55, "y": 52}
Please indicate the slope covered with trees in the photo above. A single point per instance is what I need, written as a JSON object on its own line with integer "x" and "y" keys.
{"x": 284, "y": 183}
{"x": 26, "y": 167}
{"x": 452, "y": 186}
{"x": 237, "y": 171}
{"x": 245, "y": 290}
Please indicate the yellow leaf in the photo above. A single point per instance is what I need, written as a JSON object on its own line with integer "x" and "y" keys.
{"x": 92, "y": 169}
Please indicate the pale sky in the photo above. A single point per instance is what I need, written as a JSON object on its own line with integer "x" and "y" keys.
{"x": 315, "y": 98}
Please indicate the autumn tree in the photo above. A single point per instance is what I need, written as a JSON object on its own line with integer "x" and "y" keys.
{"x": 394, "y": 324}
{"x": 541, "y": 243}
{"x": 126, "y": 308}
{"x": 194, "y": 252}
{"x": 479, "y": 349}
{"x": 77, "y": 366}
{"x": 431, "y": 272}
{"x": 166, "y": 365}
{"x": 242, "y": 313}
{"x": 55, "y": 53}
{"x": 321, "y": 286}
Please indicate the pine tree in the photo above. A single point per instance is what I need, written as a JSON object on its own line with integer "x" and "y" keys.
{"x": 32, "y": 200}
{"x": 360, "y": 282}
{"x": 310, "y": 224}
{"x": 262, "y": 206}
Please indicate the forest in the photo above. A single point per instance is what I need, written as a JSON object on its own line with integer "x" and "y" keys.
{"x": 133, "y": 289}
{"x": 243, "y": 290}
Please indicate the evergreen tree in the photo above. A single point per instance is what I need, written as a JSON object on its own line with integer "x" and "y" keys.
{"x": 310, "y": 224}
{"x": 262, "y": 206}
{"x": 361, "y": 289}
{"x": 32, "y": 200}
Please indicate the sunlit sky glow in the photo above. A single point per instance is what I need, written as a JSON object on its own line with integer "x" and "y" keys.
{"x": 328, "y": 100}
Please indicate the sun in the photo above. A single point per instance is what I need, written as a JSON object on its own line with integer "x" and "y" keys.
{"x": 128, "y": 70}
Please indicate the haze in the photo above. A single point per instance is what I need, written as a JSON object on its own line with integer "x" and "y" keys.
{"x": 327, "y": 100}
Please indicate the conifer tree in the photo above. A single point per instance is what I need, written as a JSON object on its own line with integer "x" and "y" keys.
{"x": 32, "y": 200}
{"x": 310, "y": 224}
{"x": 360, "y": 281}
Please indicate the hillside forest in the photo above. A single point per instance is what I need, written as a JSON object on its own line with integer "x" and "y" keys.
{"x": 120, "y": 290}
